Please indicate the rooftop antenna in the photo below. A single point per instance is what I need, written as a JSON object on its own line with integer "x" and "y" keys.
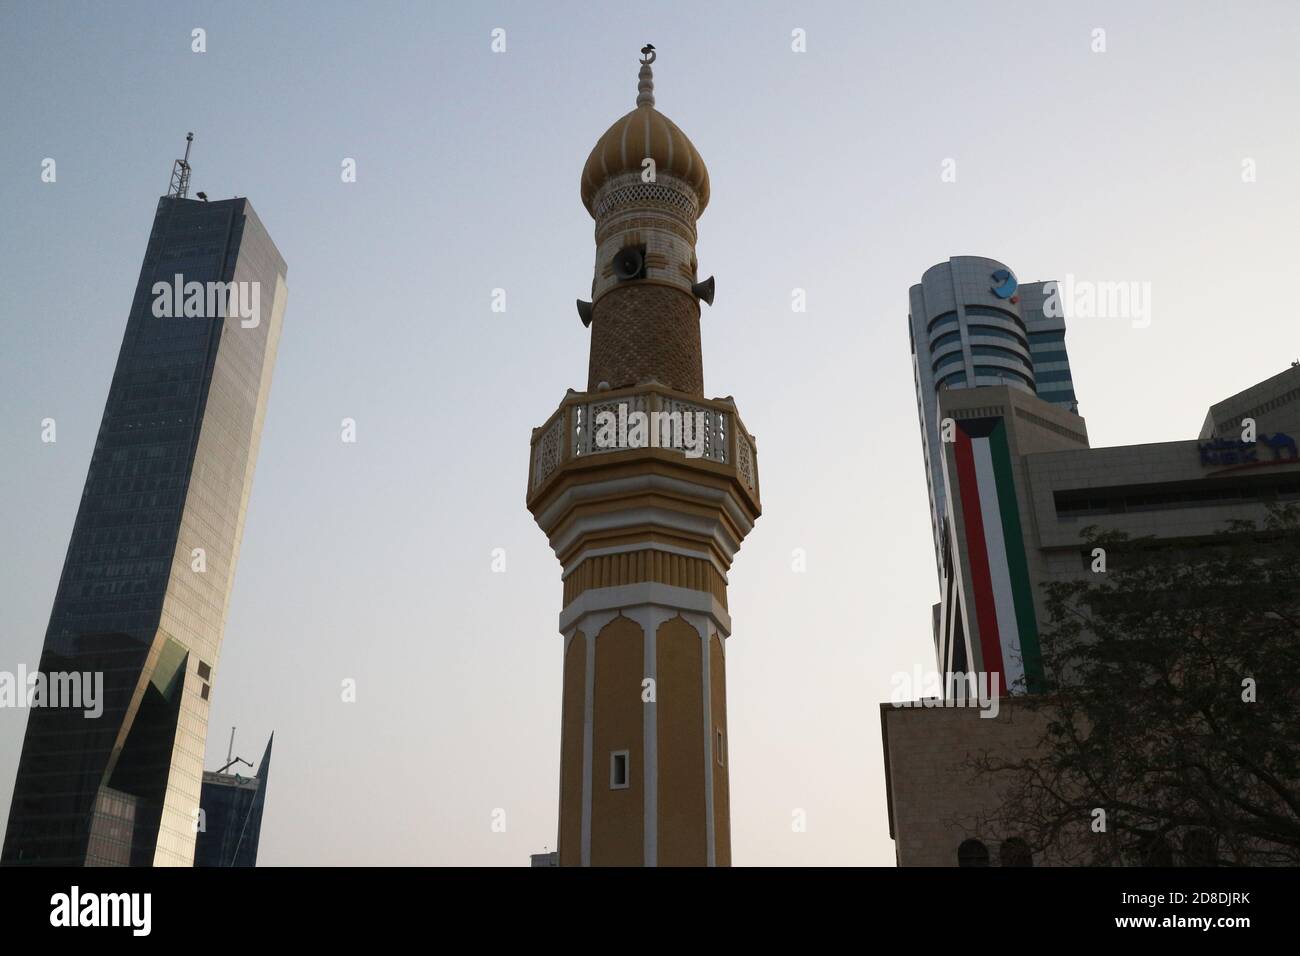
{"x": 231, "y": 749}
{"x": 180, "y": 185}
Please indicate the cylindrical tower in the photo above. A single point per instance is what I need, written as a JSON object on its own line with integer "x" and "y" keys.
{"x": 972, "y": 323}
{"x": 646, "y": 490}
{"x": 645, "y": 185}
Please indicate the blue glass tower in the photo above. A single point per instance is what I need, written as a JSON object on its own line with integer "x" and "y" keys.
{"x": 147, "y": 579}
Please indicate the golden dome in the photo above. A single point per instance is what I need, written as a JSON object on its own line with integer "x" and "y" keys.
{"x": 644, "y": 132}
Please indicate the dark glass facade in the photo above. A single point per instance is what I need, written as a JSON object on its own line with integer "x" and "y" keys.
{"x": 232, "y": 816}
{"x": 147, "y": 579}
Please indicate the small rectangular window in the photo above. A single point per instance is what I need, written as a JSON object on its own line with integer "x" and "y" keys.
{"x": 721, "y": 749}
{"x": 618, "y": 770}
{"x": 204, "y": 671}
{"x": 204, "y": 692}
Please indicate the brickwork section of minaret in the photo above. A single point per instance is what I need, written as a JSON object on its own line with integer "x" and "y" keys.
{"x": 643, "y": 333}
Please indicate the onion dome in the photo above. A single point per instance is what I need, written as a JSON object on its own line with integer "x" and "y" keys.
{"x": 642, "y": 133}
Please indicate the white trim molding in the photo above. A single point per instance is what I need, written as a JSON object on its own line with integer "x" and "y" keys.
{"x": 623, "y": 597}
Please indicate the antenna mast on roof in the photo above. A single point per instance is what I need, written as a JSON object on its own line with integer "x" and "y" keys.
{"x": 180, "y": 186}
{"x": 230, "y": 757}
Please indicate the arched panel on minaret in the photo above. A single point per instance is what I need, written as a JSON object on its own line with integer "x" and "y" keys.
{"x": 618, "y": 805}
{"x": 572, "y": 719}
{"x": 721, "y": 751}
{"x": 683, "y": 834}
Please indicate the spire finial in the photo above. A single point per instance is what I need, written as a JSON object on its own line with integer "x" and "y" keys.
{"x": 645, "y": 88}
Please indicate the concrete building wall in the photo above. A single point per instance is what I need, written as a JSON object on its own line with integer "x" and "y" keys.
{"x": 1276, "y": 401}
{"x": 935, "y": 798}
{"x": 1054, "y": 469}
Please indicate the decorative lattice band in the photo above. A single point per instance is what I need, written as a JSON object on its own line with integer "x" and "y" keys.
{"x": 647, "y": 194}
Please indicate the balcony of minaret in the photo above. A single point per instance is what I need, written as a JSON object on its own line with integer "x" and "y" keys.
{"x": 632, "y": 510}
{"x": 568, "y": 441}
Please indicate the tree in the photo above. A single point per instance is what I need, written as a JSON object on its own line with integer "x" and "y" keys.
{"x": 1173, "y": 706}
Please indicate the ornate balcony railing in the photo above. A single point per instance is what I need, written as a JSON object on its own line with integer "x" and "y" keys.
{"x": 706, "y": 430}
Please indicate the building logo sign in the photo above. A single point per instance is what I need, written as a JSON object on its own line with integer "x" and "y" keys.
{"x": 1225, "y": 451}
{"x": 1005, "y": 283}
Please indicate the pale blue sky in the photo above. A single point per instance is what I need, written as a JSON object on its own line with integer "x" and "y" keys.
{"x": 373, "y": 561}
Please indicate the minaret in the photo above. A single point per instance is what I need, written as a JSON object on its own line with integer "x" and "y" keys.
{"x": 646, "y": 490}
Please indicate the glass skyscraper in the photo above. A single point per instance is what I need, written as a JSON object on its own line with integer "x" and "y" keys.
{"x": 146, "y": 583}
{"x": 232, "y": 821}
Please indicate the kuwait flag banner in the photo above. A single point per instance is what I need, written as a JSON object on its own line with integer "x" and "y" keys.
{"x": 1002, "y": 596}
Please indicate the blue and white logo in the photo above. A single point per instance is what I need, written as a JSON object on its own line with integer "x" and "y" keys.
{"x": 1006, "y": 284}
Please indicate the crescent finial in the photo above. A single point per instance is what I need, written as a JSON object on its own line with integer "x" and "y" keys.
{"x": 645, "y": 88}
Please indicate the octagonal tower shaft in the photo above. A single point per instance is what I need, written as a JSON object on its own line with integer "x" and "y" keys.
{"x": 646, "y": 490}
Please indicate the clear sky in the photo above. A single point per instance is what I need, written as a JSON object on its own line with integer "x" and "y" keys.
{"x": 373, "y": 561}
